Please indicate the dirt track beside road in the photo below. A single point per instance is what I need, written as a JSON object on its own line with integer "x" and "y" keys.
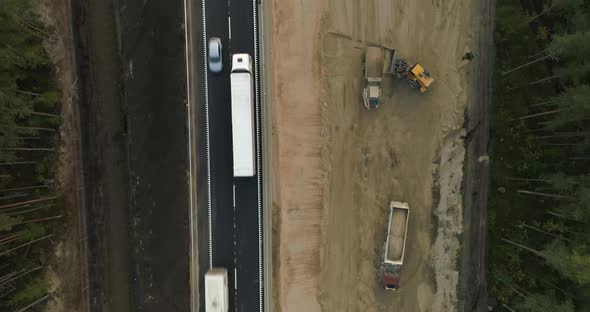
{"x": 104, "y": 155}
{"x": 337, "y": 165}
{"x": 473, "y": 293}
{"x": 132, "y": 77}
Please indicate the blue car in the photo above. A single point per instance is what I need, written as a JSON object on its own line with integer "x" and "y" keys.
{"x": 215, "y": 62}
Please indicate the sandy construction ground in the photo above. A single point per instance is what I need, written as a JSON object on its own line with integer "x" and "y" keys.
{"x": 337, "y": 165}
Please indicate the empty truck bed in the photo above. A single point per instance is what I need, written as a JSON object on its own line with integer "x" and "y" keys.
{"x": 374, "y": 62}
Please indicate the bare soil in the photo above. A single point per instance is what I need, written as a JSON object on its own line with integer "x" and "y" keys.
{"x": 473, "y": 293}
{"x": 132, "y": 70}
{"x": 153, "y": 49}
{"x": 338, "y": 165}
{"x": 105, "y": 156}
{"x": 65, "y": 270}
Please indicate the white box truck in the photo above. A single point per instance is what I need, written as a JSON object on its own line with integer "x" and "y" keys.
{"x": 216, "y": 291}
{"x": 242, "y": 115}
{"x": 395, "y": 245}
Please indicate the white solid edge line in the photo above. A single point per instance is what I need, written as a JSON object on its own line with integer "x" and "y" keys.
{"x": 229, "y": 22}
{"x": 204, "y": 19}
{"x": 258, "y": 151}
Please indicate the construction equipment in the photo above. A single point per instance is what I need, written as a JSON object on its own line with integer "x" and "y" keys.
{"x": 415, "y": 75}
{"x": 377, "y": 61}
{"x": 395, "y": 245}
{"x": 373, "y": 68}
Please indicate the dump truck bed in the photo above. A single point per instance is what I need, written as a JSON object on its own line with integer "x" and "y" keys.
{"x": 396, "y": 237}
{"x": 374, "y": 62}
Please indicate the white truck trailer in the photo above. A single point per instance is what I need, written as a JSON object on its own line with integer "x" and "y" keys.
{"x": 395, "y": 245}
{"x": 216, "y": 291}
{"x": 242, "y": 111}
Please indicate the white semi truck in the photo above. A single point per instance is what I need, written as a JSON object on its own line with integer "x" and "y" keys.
{"x": 395, "y": 245}
{"x": 216, "y": 291}
{"x": 242, "y": 111}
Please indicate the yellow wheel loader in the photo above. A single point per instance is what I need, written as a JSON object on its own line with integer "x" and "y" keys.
{"x": 415, "y": 75}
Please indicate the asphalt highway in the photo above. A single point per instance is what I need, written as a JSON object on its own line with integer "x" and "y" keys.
{"x": 228, "y": 209}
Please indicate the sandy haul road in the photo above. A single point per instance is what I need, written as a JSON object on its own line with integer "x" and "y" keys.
{"x": 337, "y": 166}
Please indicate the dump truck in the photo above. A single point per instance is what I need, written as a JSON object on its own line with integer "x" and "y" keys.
{"x": 417, "y": 77}
{"x": 242, "y": 116}
{"x": 395, "y": 245}
{"x": 216, "y": 290}
{"x": 373, "y": 68}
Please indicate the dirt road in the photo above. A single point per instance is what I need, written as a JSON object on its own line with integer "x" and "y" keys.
{"x": 473, "y": 293}
{"x": 338, "y": 166}
{"x": 104, "y": 155}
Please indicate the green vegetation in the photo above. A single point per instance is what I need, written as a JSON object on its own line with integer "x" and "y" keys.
{"x": 539, "y": 210}
{"x": 29, "y": 103}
